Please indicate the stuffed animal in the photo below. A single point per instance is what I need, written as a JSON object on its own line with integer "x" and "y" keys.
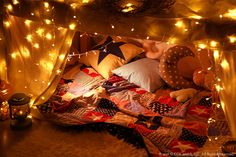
{"x": 204, "y": 78}
{"x": 183, "y": 94}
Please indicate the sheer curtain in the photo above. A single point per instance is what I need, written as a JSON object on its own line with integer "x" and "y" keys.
{"x": 33, "y": 56}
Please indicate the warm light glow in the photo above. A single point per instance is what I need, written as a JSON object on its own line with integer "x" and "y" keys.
{"x": 47, "y": 21}
{"x": 48, "y": 36}
{"x": 195, "y": 17}
{"x": 27, "y": 22}
{"x": 232, "y": 39}
{"x": 6, "y": 23}
{"x": 213, "y": 43}
{"x": 13, "y": 55}
{"x": 46, "y": 4}
{"x": 128, "y": 8}
{"x": 132, "y": 29}
{"x": 197, "y": 23}
{"x": 128, "y": 4}
{"x": 147, "y": 37}
{"x": 29, "y": 116}
{"x": 85, "y": 1}
{"x": 29, "y": 38}
{"x": 46, "y": 65}
{"x": 9, "y": 7}
{"x": 112, "y": 26}
{"x": 36, "y": 45}
{"x": 15, "y": 2}
{"x": 216, "y": 54}
{"x": 224, "y": 64}
{"x": 58, "y": 71}
{"x": 221, "y": 16}
{"x": 21, "y": 112}
{"x": 61, "y": 57}
{"x": 95, "y": 33}
{"x": 25, "y": 52}
{"x": 73, "y": 5}
{"x": 231, "y": 13}
{"x": 179, "y": 24}
{"x": 202, "y": 46}
{"x": 72, "y": 26}
{"x": 43, "y": 98}
{"x": 40, "y": 31}
{"x": 172, "y": 40}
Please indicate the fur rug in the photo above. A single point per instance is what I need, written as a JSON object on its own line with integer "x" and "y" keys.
{"x": 51, "y": 141}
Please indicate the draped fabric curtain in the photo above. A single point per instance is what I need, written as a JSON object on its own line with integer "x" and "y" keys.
{"x": 33, "y": 56}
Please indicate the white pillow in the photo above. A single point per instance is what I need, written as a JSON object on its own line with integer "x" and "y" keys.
{"x": 143, "y": 72}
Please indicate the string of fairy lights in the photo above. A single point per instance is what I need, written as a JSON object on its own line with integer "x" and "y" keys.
{"x": 180, "y": 24}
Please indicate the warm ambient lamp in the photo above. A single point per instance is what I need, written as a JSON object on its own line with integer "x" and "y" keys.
{"x": 19, "y": 111}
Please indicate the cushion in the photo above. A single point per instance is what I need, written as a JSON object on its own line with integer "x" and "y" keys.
{"x": 169, "y": 67}
{"x": 146, "y": 76}
{"x": 110, "y": 55}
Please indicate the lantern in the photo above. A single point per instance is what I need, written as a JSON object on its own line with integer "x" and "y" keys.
{"x": 19, "y": 111}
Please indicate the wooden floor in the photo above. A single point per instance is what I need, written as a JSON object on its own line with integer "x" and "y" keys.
{"x": 13, "y": 141}
{"x": 9, "y": 136}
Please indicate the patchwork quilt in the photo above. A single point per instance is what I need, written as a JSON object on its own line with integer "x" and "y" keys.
{"x": 168, "y": 127}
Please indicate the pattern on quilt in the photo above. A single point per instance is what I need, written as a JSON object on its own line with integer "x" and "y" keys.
{"x": 170, "y": 126}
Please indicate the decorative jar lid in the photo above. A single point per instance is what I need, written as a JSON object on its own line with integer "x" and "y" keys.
{"x": 18, "y": 99}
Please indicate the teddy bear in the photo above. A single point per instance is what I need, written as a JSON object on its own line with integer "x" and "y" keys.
{"x": 183, "y": 95}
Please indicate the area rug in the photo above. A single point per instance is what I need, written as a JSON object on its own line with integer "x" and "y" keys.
{"x": 51, "y": 141}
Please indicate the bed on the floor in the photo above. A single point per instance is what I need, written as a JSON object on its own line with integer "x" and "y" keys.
{"x": 133, "y": 94}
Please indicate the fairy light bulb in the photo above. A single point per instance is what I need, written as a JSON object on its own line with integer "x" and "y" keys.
{"x": 15, "y": 2}
{"x": 72, "y": 26}
{"x": 232, "y": 39}
{"x": 36, "y": 45}
{"x": 7, "y": 24}
{"x": 29, "y": 38}
{"x": 46, "y": 5}
{"x": 213, "y": 43}
{"x": 9, "y": 7}
{"x": 85, "y": 1}
{"x": 27, "y": 22}
{"x": 216, "y": 54}
{"x": 202, "y": 46}
{"x": 47, "y": 21}
{"x": 179, "y": 24}
{"x": 40, "y": 31}
{"x": 48, "y": 36}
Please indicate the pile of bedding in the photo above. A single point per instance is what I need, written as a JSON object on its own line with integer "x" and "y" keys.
{"x": 135, "y": 95}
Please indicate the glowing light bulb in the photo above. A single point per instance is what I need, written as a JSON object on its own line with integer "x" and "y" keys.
{"x": 112, "y": 26}
{"x": 179, "y": 24}
{"x": 85, "y": 1}
{"x": 202, "y": 46}
{"x": 231, "y": 13}
{"x": 73, "y": 5}
{"x": 195, "y": 17}
{"x": 27, "y": 23}
{"x": 197, "y": 23}
{"x": 232, "y": 39}
{"x": 224, "y": 64}
{"x": 29, "y": 38}
{"x": 216, "y": 54}
{"x": 47, "y": 21}
{"x": 61, "y": 57}
{"x": 13, "y": 55}
{"x": 147, "y": 37}
{"x": 40, "y": 31}
{"x": 36, "y": 45}
{"x": 15, "y": 2}
{"x": 132, "y": 29}
{"x": 221, "y": 16}
{"x": 213, "y": 43}
{"x": 46, "y": 4}
{"x": 48, "y": 36}
{"x": 7, "y": 24}
{"x": 95, "y": 33}
{"x": 72, "y": 26}
{"x": 9, "y": 7}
